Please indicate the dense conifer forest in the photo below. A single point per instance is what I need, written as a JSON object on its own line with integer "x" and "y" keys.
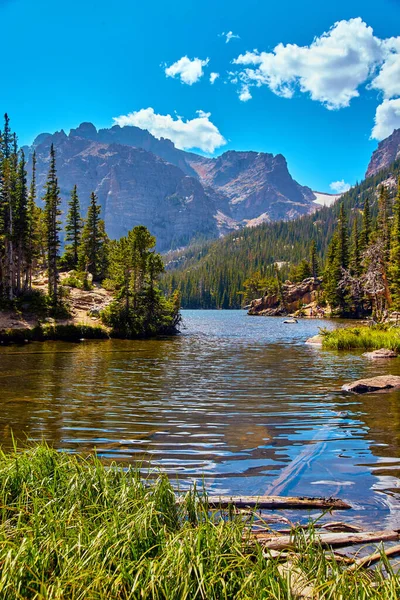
{"x": 30, "y": 244}
{"x": 229, "y": 272}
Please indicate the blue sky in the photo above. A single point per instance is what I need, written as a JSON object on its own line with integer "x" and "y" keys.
{"x": 315, "y": 102}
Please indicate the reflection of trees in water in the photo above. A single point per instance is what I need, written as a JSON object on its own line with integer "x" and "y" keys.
{"x": 381, "y": 414}
{"x": 84, "y": 395}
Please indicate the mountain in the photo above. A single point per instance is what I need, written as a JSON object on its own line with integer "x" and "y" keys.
{"x": 180, "y": 196}
{"x": 387, "y": 152}
{"x": 133, "y": 187}
{"x": 255, "y": 185}
{"x": 211, "y": 275}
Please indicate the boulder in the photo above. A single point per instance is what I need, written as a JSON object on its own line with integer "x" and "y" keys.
{"x": 296, "y": 296}
{"x": 381, "y": 353}
{"x": 373, "y": 384}
{"x": 316, "y": 340}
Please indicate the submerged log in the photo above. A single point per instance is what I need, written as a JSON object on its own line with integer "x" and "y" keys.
{"x": 329, "y": 540}
{"x": 367, "y": 561}
{"x": 272, "y": 502}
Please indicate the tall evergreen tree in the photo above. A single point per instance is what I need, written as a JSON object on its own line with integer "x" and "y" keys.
{"x": 52, "y": 213}
{"x": 342, "y": 248}
{"x": 394, "y": 263}
{"x": 355, "y": 255}
{"x": 314, "y": 260}
{"x": 32, "y": 227}
{"x": 383, "y": 219}
{"x": 93, "y": 247}
{"x": 365, "y": 235}
{"x": 73, "y": 230}
{"x": 21, "y": 224}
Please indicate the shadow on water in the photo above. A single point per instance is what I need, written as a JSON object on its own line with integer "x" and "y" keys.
{"x": 238, "y": 402}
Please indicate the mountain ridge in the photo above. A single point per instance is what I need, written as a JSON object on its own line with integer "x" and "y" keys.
{"x": 179, "y": 195}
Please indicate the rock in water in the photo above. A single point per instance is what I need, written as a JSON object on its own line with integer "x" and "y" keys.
{"x": 374, "y": 384}
{"x": 381, "y": 353}
{"x": 316, "y": 340}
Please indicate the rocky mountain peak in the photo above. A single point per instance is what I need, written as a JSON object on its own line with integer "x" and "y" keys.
{"x": 387, "y": 152}
{"x": 178, "y": 195}
{"x": 85, "y": 130}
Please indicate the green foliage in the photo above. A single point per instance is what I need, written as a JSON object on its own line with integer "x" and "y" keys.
{"x": 78, "y": 279}
{"x": 93, "y": 245}
{"x": 48, "y": 331}
{"x": 139, "y": 308}
{"x": 73, "y": 528}
{"x": 73, "y": 231}
{"x": 301, "y": 271}
{"x": 394, "y": 259}
{"x": 365, "y": 338}
{"x": 52, "y": 213}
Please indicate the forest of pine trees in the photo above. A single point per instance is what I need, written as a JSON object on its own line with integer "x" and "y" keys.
{"x": 30, "y": 243}
{"x": 230, "y": 272}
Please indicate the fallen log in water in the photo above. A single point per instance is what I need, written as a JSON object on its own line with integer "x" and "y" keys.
{"x": 327, "y": 540}
{"x": 271, "y": 502}
{"x": 367, "y": 561}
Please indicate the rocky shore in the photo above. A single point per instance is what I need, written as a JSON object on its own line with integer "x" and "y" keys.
{"x": 299, "y": 299}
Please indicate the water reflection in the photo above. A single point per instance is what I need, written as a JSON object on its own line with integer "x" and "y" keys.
{"x": 236, "y": 401}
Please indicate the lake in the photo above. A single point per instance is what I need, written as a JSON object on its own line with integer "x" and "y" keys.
{"x": 240, "y": 404}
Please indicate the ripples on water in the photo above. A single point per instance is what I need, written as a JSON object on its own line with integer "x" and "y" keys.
{"x": 238, "y": 402}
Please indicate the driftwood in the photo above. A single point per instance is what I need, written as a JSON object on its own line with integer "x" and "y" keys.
{"x": 328, "y": 540}
{"x": 272, "y": 502}
{"x": 341, "y": 527}
{"x": 367, "y": 561}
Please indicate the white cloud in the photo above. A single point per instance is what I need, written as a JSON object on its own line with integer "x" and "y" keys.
{"x": 388, "y": 79}
{"x": 213, "y": 77}
{"x": 340, "y": 187}
{"x": 330, "y": 69}
{"x": 199, "y": 132}
{"x": 244, "y": 94}
{"x": 189, "y": 71}
{"x": 229, "y": 36}
{"x": 387, "y": 118}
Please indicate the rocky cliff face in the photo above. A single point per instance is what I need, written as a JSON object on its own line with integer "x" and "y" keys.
{"x": 387, "y": 152}
{"x": 133, "y": 186}
{"x": 255, "y": 184}
{"x": 178, "y": 195}
{"x": 296, "y": 295}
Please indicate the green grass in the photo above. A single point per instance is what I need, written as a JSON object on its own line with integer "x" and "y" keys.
{"x": 365, "y": 338}
{"x": 47, "y": 331}
{"x": 71, "y": 528}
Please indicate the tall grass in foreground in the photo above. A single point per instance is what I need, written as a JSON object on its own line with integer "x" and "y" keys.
{"x": 365, "y": 338}
{"x": 72, "y": 529}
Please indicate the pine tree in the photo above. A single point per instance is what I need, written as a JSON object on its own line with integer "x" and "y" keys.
{"x": 93, "y": 247}
{"x": 8, "y": 192}
{"x": 365, "y": 235}
{"x": 73, "y": 230}
{"x": 52, "y": 213}
{"x": 394, "y": 263}
{"x": 32, "y": 227}
{"x": 332, "y": 274}
{"x": 314, "y": 260}
{"x": 383, "y": 219}
{"x": 21, "y": 224}
{"x": 342, "y": 249}
{"x": 355, "y": 256}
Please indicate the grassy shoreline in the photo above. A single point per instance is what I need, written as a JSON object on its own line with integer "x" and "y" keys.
{"x": 362, "y": 338}
{"x": 69, "y": 332}
{"x": 72, "y": 529}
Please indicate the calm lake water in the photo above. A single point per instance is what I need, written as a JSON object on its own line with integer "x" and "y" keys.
{"x": 238, "y": 403}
